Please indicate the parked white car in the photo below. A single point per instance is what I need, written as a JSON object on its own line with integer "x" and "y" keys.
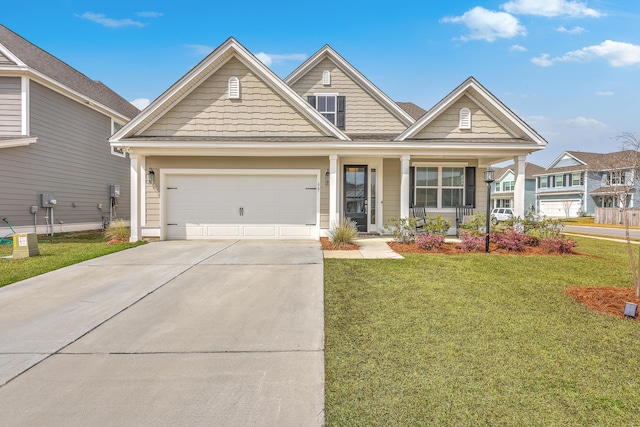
{"x": 501, "y": 214}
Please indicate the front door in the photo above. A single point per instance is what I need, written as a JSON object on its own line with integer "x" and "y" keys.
{"x": 355, "y": 195}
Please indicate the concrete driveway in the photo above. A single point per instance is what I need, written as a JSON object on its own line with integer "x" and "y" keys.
{"x": 169, "y": 333}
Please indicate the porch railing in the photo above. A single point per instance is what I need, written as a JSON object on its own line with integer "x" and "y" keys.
{"x": 462, "y": 215}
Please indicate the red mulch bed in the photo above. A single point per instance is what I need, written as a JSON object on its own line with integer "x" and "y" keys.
{"x": 453, "y": 249}
{"x": 604, "y": 300}
{"x": 327, "y": 246}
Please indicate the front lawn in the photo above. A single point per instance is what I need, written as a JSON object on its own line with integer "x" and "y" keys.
{"x": 479, "y": 339}
{"x": 59, "y": 251}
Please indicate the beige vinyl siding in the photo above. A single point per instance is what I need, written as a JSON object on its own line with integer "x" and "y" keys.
{"x": 446, "y": 124}
{"x": 159, "y": 163}
{"x": 391, "y": 190}
{"x": 208, "y": 111}
{"x": 364, "y": 115}
{"x": 71, "y": 159}
{"x": 10, "y": 106}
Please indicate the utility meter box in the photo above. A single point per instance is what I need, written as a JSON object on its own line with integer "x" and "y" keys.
{"x": 25, "y": 245}
{"x": 47, "y": 200}
{"x": 114, "y": 190}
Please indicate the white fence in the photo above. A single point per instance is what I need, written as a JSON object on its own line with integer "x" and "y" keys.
{"x": 616, "y": 216}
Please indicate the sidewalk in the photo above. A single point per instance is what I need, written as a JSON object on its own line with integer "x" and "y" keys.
{"x": 370, "y": 248}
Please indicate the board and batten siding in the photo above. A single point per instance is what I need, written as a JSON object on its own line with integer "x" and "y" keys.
{"x": 72, "y": 159}
{"x": 158, "y": 163}
{"x": 208, "y": 111}
{"x": 10, "y": 106}
{"x": 446, "y": 125}
{"x": 363, "y": 113}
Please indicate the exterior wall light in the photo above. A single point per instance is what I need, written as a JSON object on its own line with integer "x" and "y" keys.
{"x": 151, "y": 177}
{"x": 327, "y": 178}
{"x": 489, "y": 178}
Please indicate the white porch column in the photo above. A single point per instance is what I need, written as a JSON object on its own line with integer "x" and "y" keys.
{"x": 518, "y": 191}
{"x": 404, "y": 186}
{"x": 334, "y": 217}
{"x": 137, "y": 177}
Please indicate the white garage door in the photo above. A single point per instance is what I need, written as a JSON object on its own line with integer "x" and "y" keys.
{"x": 558, "y": 208}
{"x": 256, "y": 206}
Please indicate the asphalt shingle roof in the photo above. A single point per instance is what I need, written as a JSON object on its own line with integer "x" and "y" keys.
{"x": 52, "y": 67}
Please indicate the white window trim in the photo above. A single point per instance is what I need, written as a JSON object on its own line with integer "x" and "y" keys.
{"x": 439, "y": 208}
{"x": 464, "y": 119}
{"x": 234, "y": 87}
{"x": 335, "y": 107}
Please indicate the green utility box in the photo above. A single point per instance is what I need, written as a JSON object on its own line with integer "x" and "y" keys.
{"x": 25, "y": 245}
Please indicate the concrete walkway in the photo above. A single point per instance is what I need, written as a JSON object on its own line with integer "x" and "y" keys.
{"x": 168, "y": 334}
{"x": 370, "y": 248}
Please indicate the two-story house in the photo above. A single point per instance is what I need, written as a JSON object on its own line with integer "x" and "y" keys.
{"x": 233, "y": 151}
{"x": 57, "y": 169}
{"x": 577, "y": 182}
{"x": 502, "y": 191}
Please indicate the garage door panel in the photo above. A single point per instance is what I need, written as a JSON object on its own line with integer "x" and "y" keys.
{"x": 558, "y": 208}
{"x": 241, "y": 206}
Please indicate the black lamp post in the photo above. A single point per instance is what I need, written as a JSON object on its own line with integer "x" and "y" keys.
{"x": 488, "y": 178}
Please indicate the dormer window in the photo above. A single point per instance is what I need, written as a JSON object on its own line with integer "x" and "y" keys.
{"x": 331, "y": 106}
{"x": 326, "y": 78}
{"x": 465, "y": 118}
{"x": 234, "y": 88}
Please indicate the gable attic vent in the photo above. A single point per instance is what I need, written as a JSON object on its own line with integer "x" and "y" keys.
{"x": 465, "y": 118}
{"x": 326, "y": 77}
{"x": 234, "y": 88}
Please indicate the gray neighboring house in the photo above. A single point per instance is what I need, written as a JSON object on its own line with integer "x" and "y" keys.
{"x": 502, "y": 192}
{"x": 57, "y": 169}
{"x": 577, "y": 182}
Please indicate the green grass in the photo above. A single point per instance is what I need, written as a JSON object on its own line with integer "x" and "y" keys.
{"x": 477, "y": 340}
{"x": 56, "y": 252}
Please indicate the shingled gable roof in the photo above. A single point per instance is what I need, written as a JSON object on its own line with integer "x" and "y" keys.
{"x": 230, "y": 48}
{"x": 47, "y": 69}
{"x": 463, "y": 89}
{"x": 327, "y": 52}
{"x": 593, "y": 161}
{"x": 530, "y": 169}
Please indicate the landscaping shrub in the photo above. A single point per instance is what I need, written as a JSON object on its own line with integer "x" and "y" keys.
{"x": 343, "y": 234}
{"x": 510, "y": 239}
{"x": 117, "y": 231}
{"x": 557, "y": 245}
{"x": 476, "y": 224}
{"x": 437, "y": 225}
{"x": 430, "y": 241}
{"x": 403, "y": 229}
{"x": 471, "y": 242}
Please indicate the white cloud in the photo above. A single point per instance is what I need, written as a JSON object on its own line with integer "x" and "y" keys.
{"x": 102, "y": 19}
{"x": 140, "y": 103}
{"x": 618, "y": 54}
{"x": 487, "y": 25}
{"x": 585, "y": 122}
{"x": 605, "y": 93}
{"x": 271, "y": 58}
{"x": 150, "y": 14}
{"x": 551, "y": 8}
{"x": 543, "y": 60}
{"x": 574, "y": 30}
{"x": 199, "y": 49}
{"x": 518, "y": 48}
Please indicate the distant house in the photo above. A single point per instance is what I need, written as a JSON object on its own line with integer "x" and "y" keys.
{"x": 577, "y": 182}
{"x": 233, "y": 151}
{"x": 502, "y": 193}
{"x": 57, "y": 169}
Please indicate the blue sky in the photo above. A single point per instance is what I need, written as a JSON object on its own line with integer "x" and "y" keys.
{"x": 568, "y": 68}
